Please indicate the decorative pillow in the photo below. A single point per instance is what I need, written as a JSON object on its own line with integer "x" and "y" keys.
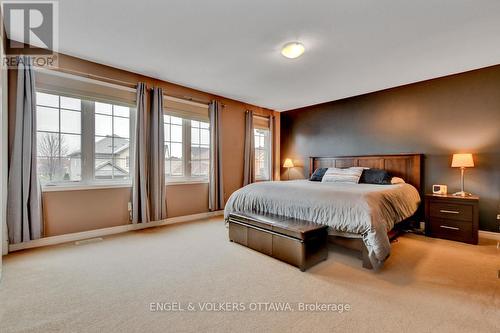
{"x": 375, "y": 176}
{"x": 318, "y": 174}
{"x": 397, "y": 180}
{"x": 348, "y": 175}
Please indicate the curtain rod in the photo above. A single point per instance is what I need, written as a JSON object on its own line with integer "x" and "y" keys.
{"x": 124, "y": 85}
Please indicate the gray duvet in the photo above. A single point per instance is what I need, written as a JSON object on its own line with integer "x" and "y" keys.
{"x": 361, "y": 209}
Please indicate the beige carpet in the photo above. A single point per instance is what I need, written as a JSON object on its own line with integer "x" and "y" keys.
{"x": 426, "y": 285}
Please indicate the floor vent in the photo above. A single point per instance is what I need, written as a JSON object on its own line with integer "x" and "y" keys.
{"x": 88, "y": 241}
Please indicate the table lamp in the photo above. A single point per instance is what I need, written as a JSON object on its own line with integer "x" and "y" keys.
{"x": 462, "y": 161}
{"x": 288, "y": 164}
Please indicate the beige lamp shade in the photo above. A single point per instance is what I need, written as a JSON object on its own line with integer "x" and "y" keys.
{"x": 288, "y": 163}
{"x": 462, "y": 161}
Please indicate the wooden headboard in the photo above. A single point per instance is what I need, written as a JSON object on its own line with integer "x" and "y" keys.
{"x": 406, "y": 166}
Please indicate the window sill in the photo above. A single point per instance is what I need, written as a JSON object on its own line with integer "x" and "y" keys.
{"x": 83, "y": 187}
{"x": 185, "y": 182}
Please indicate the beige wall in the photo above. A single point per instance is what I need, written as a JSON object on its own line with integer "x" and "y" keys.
{"x": 73, "y": 211}
{"x": 81, "y": 210}
{"x": 187, "y": 199}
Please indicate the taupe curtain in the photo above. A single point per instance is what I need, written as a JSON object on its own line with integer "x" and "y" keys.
{"x": 140, "y": 189}
{"x": 249, "y": 152}
{"x": 157, "y": 188}
{"x": 24, "y": 207}
{"x": 216, "y": 193}
{"x": 271, "y": 132}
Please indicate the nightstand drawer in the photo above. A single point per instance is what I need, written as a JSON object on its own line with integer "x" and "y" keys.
{"x": 451, "y": 229}
{"x": 451, "y": 211}
{"x": 452, "y": 217}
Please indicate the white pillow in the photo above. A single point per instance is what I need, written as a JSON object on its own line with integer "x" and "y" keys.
{"x": 348, "y": 175}
{"x": 397, "y": 180}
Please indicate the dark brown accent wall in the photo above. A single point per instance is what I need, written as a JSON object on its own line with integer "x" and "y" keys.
{"x": 458, "y": 113}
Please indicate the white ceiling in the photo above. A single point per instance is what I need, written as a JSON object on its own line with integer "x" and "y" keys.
{"x": 232, "y": 47}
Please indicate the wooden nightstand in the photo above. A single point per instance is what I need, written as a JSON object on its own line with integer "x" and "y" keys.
{"x": 452, "y": 217}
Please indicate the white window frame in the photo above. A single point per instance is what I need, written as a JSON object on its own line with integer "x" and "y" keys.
{"x": 269, "y": 154}
{"x": 87, "y": 134}
{"x": 186, "y": 178}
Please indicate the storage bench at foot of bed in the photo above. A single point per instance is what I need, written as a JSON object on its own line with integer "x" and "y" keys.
{"x": 299, "y": 243}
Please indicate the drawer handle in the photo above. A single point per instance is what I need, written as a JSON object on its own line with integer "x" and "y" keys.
{"x": 447, "y": 227}
{"x": 449, "y": 211}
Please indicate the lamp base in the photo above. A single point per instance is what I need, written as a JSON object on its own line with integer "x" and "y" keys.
{"x": 462, "y": 194}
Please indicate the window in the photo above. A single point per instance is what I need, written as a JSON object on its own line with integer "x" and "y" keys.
{"x": 262, "y": 153}
{"x": 59, "y": 136}
{"x": 173, "y": 129}
{"x": 200, "y": 148}
{"x": 82, "y": 141}
{"x": 112, "y": 142}
{"x": 187, "y": 149}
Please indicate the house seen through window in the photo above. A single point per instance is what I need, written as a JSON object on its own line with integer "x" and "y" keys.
{"x": 112, "y": 141}
{"x": 82, "y": 141}
{"x": 187, "y": 148}
{"x": 59, "y": 136}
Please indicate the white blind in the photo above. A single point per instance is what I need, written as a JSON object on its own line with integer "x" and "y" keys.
{"x": 83, "y": 88}
{"x": 185, "y": 109}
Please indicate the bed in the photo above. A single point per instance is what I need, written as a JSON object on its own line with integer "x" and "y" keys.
{"x": 359, "y": 216}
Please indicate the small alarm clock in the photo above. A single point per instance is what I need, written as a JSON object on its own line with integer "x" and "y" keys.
{"x": 439, "y": 189}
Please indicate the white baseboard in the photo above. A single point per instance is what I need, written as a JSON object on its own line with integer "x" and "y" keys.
{"x": 77, "y": 236}
{"x": 489, "y": 235}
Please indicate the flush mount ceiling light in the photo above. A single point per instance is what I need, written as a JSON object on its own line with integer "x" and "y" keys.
{"x": 292, "y": 50}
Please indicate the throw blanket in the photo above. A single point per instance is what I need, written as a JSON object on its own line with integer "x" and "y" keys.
{"x": 364, "y": 209}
